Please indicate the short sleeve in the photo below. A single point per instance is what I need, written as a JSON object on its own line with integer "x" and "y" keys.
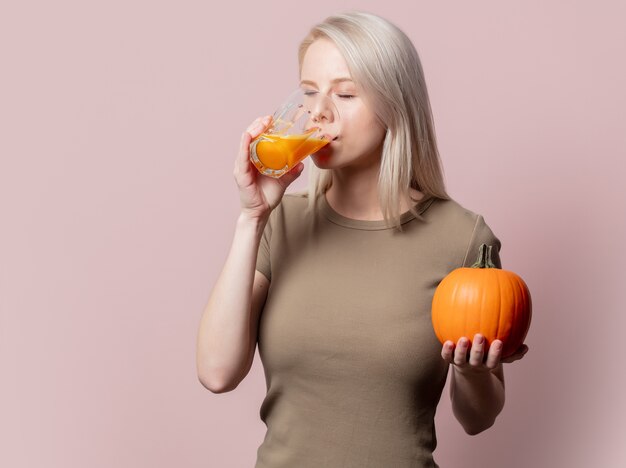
{"x": 263, "y": 256}
{"x": 482, "y": 234}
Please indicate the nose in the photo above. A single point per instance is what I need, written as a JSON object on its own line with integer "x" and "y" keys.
{"x": 322, "y": 110}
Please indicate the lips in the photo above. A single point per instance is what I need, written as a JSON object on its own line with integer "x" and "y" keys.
{"x": 329, "y": 137}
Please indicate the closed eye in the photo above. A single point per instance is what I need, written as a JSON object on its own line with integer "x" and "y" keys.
{"x": 342, "y": 96}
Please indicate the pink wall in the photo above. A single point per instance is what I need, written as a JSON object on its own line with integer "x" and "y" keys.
{"x": 119, "y": 125}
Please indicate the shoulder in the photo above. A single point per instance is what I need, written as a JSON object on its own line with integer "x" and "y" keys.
{"x": 461, "y": 229}
{"x": 451, "y": 214}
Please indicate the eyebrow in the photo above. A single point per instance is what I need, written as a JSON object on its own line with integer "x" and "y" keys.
{"x": 336, "y": 80}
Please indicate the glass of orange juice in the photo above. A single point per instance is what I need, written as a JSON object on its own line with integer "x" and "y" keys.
{"x": 307, "y": 121}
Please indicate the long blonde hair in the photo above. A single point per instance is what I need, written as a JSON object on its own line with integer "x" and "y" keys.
{"x": 386, "y": 67}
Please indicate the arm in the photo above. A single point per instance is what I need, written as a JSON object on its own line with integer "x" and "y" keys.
{"x": 477, "y": 386}
{"x": 227, "y": 334}
{"x": 477, "y": 395}
{"x": 228, "y": 328}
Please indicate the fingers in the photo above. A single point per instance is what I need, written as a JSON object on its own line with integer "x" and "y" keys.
{"x": 258, "y": 126}
{"x": 243, "y": 161}
{"x": 253, "y": 131}
{"x": 457, "y": 354}
{"x": 477, "y": 360}
{"x": 477, "y": 351}
{"x": 460, "y": 353}
{"x": 495, "y": 353}
{"x": 447, "y": 352}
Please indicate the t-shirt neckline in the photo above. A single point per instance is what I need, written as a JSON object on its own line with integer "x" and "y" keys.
{"x": 370, "y": 225}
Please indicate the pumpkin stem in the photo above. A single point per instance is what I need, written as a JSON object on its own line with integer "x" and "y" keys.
{"x": 484, "y": 257}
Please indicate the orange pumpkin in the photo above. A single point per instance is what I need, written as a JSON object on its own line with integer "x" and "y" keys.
{"x": 482, "y": 299}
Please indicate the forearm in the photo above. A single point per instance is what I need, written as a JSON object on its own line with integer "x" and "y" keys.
{"x": 223, "y": 336}
{"x": 477, "y": 398}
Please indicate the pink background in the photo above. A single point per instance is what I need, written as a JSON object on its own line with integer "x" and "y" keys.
{"x": 119, "y": 125}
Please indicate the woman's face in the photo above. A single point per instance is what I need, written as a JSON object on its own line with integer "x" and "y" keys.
{"x": 361, "y": 134}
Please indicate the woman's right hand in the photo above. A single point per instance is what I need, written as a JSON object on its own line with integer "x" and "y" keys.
{"x": 259, "y": 194}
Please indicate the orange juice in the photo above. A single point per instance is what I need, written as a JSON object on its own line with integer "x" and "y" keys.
{"x": 274, "y": 155}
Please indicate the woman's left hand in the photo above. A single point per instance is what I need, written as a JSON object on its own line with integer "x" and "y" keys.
{"x": 477, "y": 362}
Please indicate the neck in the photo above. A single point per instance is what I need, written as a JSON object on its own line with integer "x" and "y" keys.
{"x": 354, "y": 192}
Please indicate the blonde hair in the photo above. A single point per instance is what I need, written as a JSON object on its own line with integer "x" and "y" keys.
{"x": 386, "y": 68}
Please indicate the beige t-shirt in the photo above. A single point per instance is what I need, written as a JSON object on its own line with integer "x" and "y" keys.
{"x": 353, "y": 368}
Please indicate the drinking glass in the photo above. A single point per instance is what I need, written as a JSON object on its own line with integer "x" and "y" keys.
{"x": 304, "y": 123}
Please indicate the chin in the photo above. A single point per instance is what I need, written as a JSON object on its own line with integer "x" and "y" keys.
{"x": 323, "y": 159}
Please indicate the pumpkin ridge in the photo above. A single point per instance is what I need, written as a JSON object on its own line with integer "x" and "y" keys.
{"x": 465, "y": 317}
{"x": 514, "y": 312}
{"x": 484, "y": 297}
{"x": 523, "y": 314}
{"x": 517, "y": 311}
{"x": 499, "y": 308}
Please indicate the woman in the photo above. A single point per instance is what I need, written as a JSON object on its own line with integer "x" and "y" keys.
{"x": 335, "y": 283}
